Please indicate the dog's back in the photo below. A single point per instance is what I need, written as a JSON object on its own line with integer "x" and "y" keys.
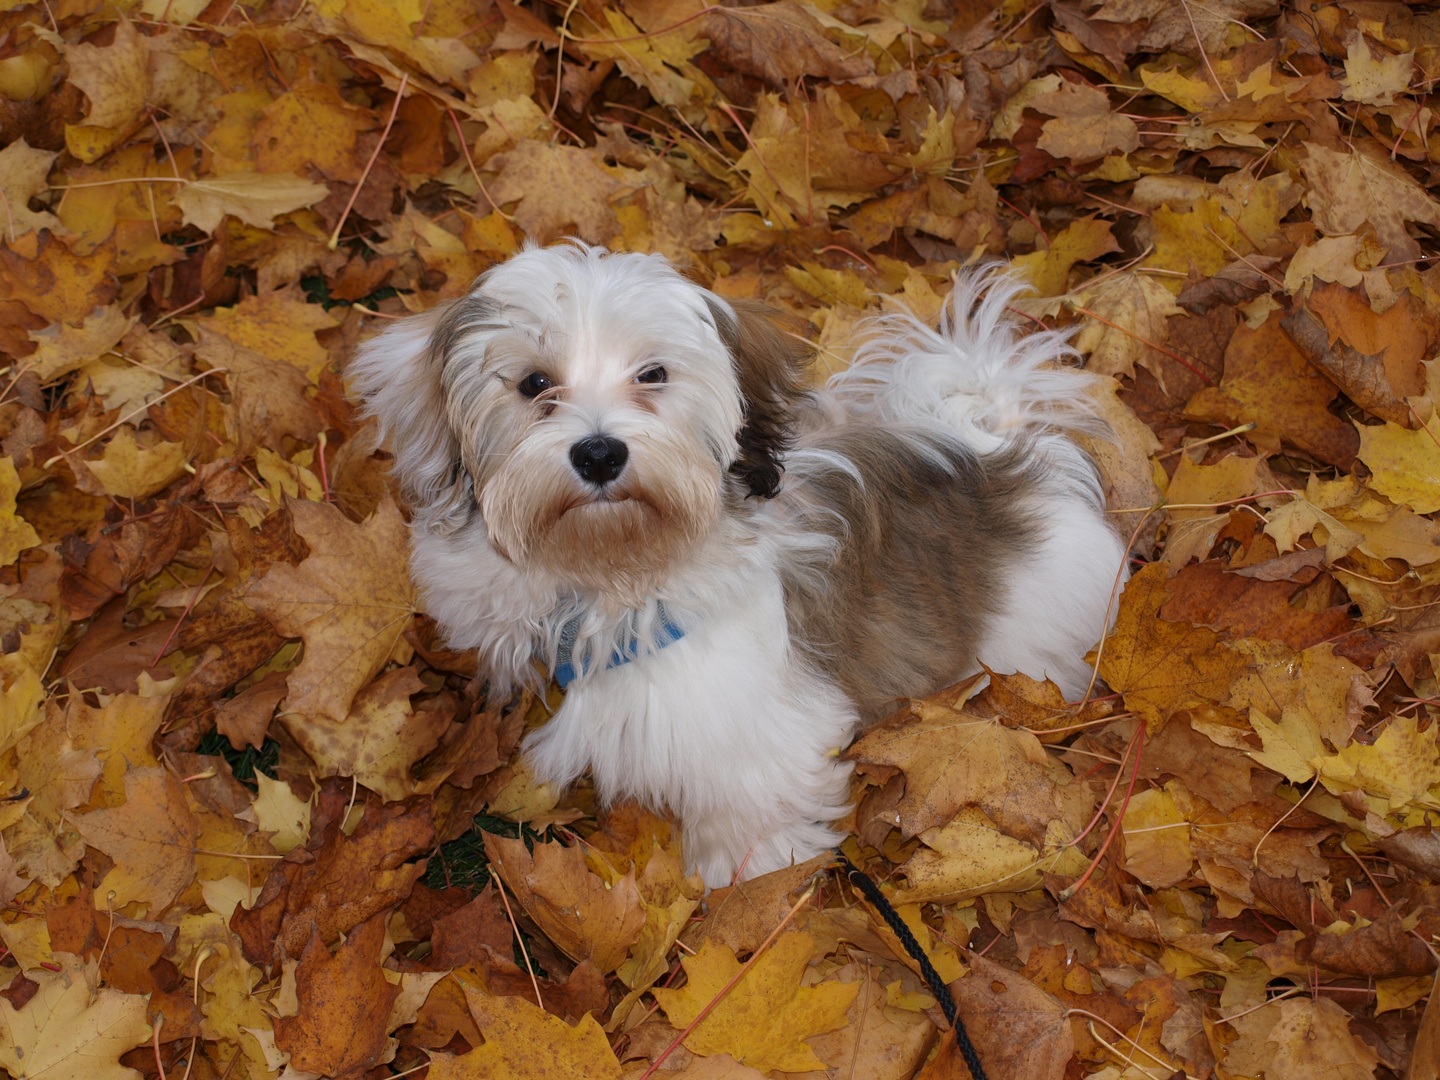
{"x": 965, "y": 522}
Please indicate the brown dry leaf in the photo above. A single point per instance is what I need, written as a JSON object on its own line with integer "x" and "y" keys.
{"x": 1204, "y": 594}
{"x": 952, "y": 760}
{"x": 1018, "y": 1029}
{"x": 557, "y": 187}
{"x": 587, "y": 918}
{"x": 350, "y": 600}
{"x": 115, "y": 77}
{"x": 779, "y": 43}
{"x": 763, "y": 1021}
{"x": 1315, "y": 1043}
{"x": 151, "y": 838}
{"x": 23, "y": 173}
{"x": 335, "y": 882}
{"x": 1160, "y": 666}
{"x": 1351, "y": 190}
{"x": 379, "y": 741}
{"x": 345, "y": 1001}
{"x": 1268, "y": 382}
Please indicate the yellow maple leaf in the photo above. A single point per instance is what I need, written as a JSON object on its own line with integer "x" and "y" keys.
{"x": 281, "y": 325}
{"x": 765, "y": 1018}
{"x": 16, "y": 534}
{"x": 128, "y": 470}
{"x": 1405, "y": 465}
{"x": 971, "y": 857}
{"x": 523, "y": 1042}
{"x": 1157, "y": 839}
{"x": 1160, "y": 666}
{"x": 71, "y": 1029}
{"x": 1400, "y": 768}
{"x": 379, "y": 741}
{"x": 1083, "y": 240}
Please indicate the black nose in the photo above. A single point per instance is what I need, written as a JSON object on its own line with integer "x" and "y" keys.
{"x": 599, "y": 459}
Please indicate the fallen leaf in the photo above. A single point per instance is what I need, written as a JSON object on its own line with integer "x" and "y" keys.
{"x": 345, "y": 1002}
{"x": 151, "y": 838}
{"x": 350, "y": 600}
{"x": 952, "y": 760}
{"x": 765, "y": 1017}
{"x": 527, "y": 1043}
{"x": 71, "y": 1029}
{"x": 587, "y": 917}
{"x": 379, "y": 741}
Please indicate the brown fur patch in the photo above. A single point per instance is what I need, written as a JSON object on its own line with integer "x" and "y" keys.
{"x": 771, "y": 362}
{"x": 924, "y": 546}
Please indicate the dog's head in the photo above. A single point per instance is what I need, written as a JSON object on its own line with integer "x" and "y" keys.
{"x": 593, "y": 406}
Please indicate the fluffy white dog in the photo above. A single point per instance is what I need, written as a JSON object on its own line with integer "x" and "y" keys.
{"x": 623, "y": 476}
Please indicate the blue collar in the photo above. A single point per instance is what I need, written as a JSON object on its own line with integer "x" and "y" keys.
{"x": 666, "y": 633}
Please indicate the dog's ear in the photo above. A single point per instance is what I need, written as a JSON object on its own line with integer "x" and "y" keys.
{"x": 396, "y": 377}
{"x": 771, "y": 362}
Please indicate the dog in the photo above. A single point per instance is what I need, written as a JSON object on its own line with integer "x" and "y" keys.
{"x": 622, "y": 477}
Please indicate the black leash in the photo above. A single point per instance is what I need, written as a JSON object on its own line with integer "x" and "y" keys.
{"x": 937, "y": 985}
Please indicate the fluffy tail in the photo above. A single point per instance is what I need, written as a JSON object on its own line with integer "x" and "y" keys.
{"x": 977, "y": 373}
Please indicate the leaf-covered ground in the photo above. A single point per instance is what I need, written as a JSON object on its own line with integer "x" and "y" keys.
{"x": 239, "y": 774}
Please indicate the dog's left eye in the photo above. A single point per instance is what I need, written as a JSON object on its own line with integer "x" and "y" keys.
{"x": 656, "y": 374}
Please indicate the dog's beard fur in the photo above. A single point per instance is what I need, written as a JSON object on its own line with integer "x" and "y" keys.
{"x": 619, "y": 542}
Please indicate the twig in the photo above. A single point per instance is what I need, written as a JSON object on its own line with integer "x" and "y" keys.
{"x": 1241, "y": 430}
{"x": 355, "y": 194}
{"x": 524, "y": 952}
{"x": 1146, "y": 341}
{"x": 130, "y": 416}
{"x": 1069, "y": 891}
{"x": 1203, "y": 54}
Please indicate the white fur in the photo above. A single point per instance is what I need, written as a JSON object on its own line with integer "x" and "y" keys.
{"x": 731, "y": 727}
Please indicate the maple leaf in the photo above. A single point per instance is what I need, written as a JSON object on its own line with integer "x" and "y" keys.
{"x": 952, "y": 760}
{"x": 23, "y": 175}
{"x": 16, "y": 534}
{"x": 115, "y": 77}
{"x": 1404, "y": 465}
{"x": 1135, "y": 307}
{"x": 151, "y": 838}
{"x": 280, "y": 326}
{"x": 1019, "y": 1029}
{"x": 129, "y": 470}
{"x": 557, "y": 186}
{"x": 257, "y": 199}
{"x": 345, "y": 1001}
{"x": 336, "y": 882}
{"x": 350, "y": 600}
{"x": 1353, "y": 189}
{"x": 765, "y": 1017}
{"x": 380, "y": 739}
{"x": 587, "y": 917}
{"x": 523, "y": 1042}
{"x": 779, "y": 43}
{"x": 1161, "y": 666}
{"x": 71, "y": 1029}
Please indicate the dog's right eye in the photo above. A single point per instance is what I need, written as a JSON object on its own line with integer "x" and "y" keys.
{"x": 534, "y": 384}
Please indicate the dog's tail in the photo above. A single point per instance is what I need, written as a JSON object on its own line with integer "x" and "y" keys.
{"x": 977, "y": 373}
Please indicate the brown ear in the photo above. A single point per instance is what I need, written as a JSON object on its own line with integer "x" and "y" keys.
{"x": 771, "y": 361}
